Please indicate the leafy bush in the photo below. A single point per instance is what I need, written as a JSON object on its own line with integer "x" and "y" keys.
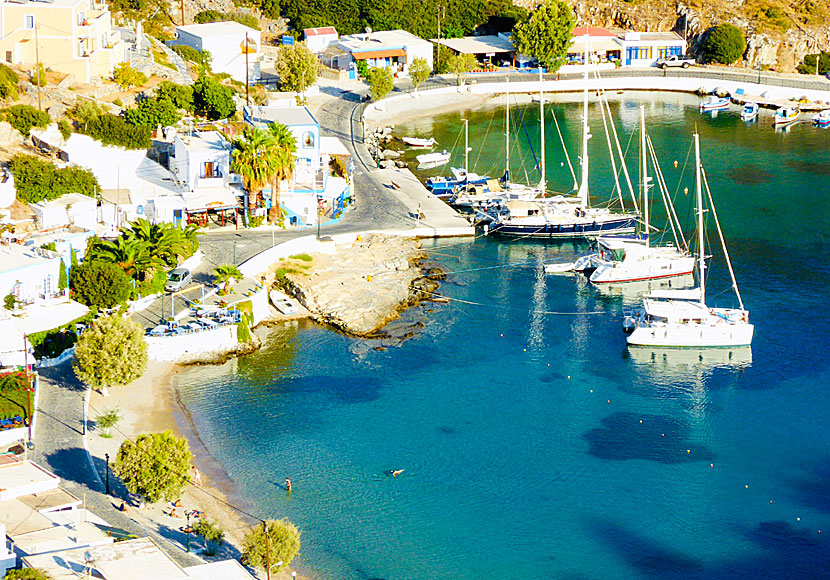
{"x": 87, "y": 110}
{"x": 216, "y": 16}
{"x": 180, "y": 95}
{"x": 153, "y": 112}
{"x": 112, "y": 130}
{"x": 209, "y": 531}
{"x": 724, "y": 44}
{"x": 27, "y": 574}
{"x": 283, "y": 544}
{"x": 155, "y": 466}
{"x": 50, "y": 343}
{"x": 212, "y": 99}
{"x": 208, "y": 16}
{"x": 24, "y": 117}
{"x": 112, "y": 351}
{"x": 8, "y": 83}
{"x": 65, "y": 128}
{"x": 380, "y": 82}
{"x": 808, "y": 65}
{"x": 37, "y": 180}
{"x": 125, "y": 76}
{"x": 10, "y": 301}
{"x": 99, "y": 284}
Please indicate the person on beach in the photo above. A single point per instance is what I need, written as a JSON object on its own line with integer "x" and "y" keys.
{"x": 197, "y": 477}
{"x": 287, "y": 484}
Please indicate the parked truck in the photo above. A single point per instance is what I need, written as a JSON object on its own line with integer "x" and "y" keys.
{"x": 676, "y": 60}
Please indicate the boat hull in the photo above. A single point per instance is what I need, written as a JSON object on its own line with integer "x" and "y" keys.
{"x": 691, "y": 335}
{"x": 661, "y": 269}
{"x": 565, "y": 230}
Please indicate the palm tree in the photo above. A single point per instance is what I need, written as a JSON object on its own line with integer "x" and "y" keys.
{"x": 252, "y": 159}
{"x": 128, "y": 253}
{"x": 224, "y": 275}
{"x": 284, "y": 147}
{"x": 164, "y": 240}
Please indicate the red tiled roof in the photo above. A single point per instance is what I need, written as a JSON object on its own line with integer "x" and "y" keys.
{"x": 319, "y": 31}
{"x": 582, "y": 31}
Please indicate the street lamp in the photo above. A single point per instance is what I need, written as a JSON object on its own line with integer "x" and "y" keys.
{"x": 107, "y": 457}
{"x": 319, "y": 213}
{"x": 280, "y": 563}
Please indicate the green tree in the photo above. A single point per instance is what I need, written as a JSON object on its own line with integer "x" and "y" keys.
{"x": 39, "y": 79}
{"x": 201, "y": 58}
{"x": 297, "y": 67}
{"x": 224, "y": 275}
{"x": 252, "y": 159}
{"x": 164, "y": 240}
{"x": 99, "y": 284}
{"x": 545, "y": 34}
{"x": 86, "y": 110}
{"x": 63, "y": 279}
{"x": 111, "y": 352}
{"x": 125, "y": 76}
{"x": 106, "y": 421}
{"x": 206, "y": 16}
{"x": 283, "y": 147}
{"x": 27, "y": 574}
{"x": 212, "y": 99}
{"x": 155, "y": 466}
{"x": 133, "y": 256}
{"x": 418, "y": 71}
{"x": 24, "y": 117}
{"x": 380, "y": 82}
{"x": 112, "y": 130}
{"x": 153, "y": 112}
{"x": 283, "y": 544}
{"x": 808, "y": 65}
{"x": 36, "y": 179}
{"x": 724, "y": 44}
{"x": 211, "y": 532}
{"x": 461, "y": 65}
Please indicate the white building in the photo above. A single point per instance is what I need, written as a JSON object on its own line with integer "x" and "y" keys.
{"x": 629, "y": 49}
{"x": 643, "y": 49}
{"x": 201, "y": 163}
{"x": 226, "y": 42}
{"x": 318, "y": 39}
{"x": 28, "y": 273}
{"x": 393, "y": 49}
{"x": 71, "y": 209}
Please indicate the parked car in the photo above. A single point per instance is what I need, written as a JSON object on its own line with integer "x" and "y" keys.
{"x": 178, "y": 279}
{"x": 676, "y": 60}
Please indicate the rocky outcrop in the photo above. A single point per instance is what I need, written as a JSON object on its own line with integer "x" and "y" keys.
{"x": 361, "y": 288}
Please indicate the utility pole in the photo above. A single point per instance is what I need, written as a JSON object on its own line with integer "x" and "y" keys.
{"x": 438, "y": 57}
{"x": 181, "y": 6}
{"x": 267, "y": 549}
{"x": 28, "y": 384}
{"x": 247, "y": 85}
{"x": 37, "y": 70}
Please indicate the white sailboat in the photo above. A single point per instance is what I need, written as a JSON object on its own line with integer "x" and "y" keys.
{"x": 681, "y": 318}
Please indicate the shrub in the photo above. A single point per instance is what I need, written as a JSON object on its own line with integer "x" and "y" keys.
{"x": 118, "y": 102}
{"x": 106, "y": 421}
{"x": 153, "y": 112}
{"x": 808, "y": 65}
{"x": 87, "y": 110}
{"x": 10, "y": 301}
{"x": 208, "y": 16}
{"x": 380, "y": 82}
{"x": 125, "y": 76}
{"x": 112, "y": 130}
{"x": 180, "y": 95}
{"x": 725, "y": 44}
{"x": 39, "y": 79}
{"x": 24, "y": 117}
{"x": 155, "y": 466}
{"x": 37, "y": 180}
{"x": 212, "y": 99}
{"x": 99, "y": 284}
{"x": 8, "y": 83}
{"x": 112, "y": 351}
{"x": 283, "y": 544}
{"x": 209, "y": 531}
{"x": 65, "y": 128}
{"x": 216, "y": 16}
{"x": 27, "y": 574}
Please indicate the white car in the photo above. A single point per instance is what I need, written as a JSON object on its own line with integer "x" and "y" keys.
{"x": 282, "y": 303}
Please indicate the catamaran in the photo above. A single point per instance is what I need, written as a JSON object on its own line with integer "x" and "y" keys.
{"x": 681, "y": 318}
{"x": 560, "y": 216}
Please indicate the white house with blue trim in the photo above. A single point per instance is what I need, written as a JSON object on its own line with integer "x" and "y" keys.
{"x": 644, "y": 49}
{"x": 30, "y": 274}
{"x": 314, "y": 187}
{"x": 392, "y": 49}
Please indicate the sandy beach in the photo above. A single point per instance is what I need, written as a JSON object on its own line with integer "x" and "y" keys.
{"x": 151, "y": 405}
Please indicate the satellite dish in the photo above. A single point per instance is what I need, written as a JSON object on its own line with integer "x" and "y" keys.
{"x": 368, "y": 30}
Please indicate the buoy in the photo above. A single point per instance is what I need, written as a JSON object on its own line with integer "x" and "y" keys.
{"x": 770, "y": 501}
{"x": 686, "y": 190}
{"x": 569, "y": 376}
{"x": 688, "y": 451}
{"x": 501, "y": 335}
{"x": 746, "y": 486}
{"x": 641, "y": 420}
{"x": 548, "y": 364}
{"x": 592, "y": 390}
{"x": 369, "y": 278}
{"x": 675, "y": 163}
{"x": 524, "y": 349}
{"x": 798, "y": 519}
{"x": 609, "y": 401}
{"x": 662, "y": 434}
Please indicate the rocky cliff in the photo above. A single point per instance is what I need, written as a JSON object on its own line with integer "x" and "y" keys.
{"x": 779, "y": 32}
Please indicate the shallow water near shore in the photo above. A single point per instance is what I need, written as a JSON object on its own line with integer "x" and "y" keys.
{"x": 534, "y": 444}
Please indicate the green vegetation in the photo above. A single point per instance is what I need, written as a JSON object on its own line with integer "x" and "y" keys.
{"x": 24, "y": 117}
{"x": 302, "y": 257}
{"x": 460, "y": 65}
{"x": 200, "y": 58}
{"x": 419, "y": 71}
{"x": 297, "y": 67}
{"x": 180, "y": 95}
{"x": 106, "y": 421}
{"x": 545, "y": 34}
{"x": 211, "y": 532}
{"x": 51, "y": 343}
{"x": 87, "y": 110}
{"x": 27, "y": 574}
{"x": 808, "y": 65}
{"x": 10, "y": 301}
{"x": 459, "y": 17}
{"x": 38, "y": 180}
{"x": 283, "y": 544}
{"x": 153, "y": 112}
{"x": 15, "y": 399}
{"x": 111, "y": 352}
{"x": 99, "y": 284}
{"x": 216, "y": 16}
{"x": 380, "y": 82}
{"x": 724, "y": 44}
{"x": 768, "y": 14}
{"x": 154, "y": 466}
{"x": 65, "y": 128}
{"x": 112, "y": 130}
{"x": 224, "y": 274}
{"x": 8, "y": 83}
{"x": 281, "y": 152}
{"x": 125, "y": 76}
{"x": 39, "y": 79}
{"x": 212, "y": 99}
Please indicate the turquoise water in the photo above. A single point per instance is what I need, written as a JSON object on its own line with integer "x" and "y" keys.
{"x": 534, "y": 443}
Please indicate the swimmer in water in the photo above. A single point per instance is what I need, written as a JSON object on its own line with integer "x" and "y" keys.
{"x": 396, "y": 472}
{"x": 287, "y": 484}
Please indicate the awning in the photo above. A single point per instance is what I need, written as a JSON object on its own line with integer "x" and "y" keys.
{"x": 209, "y": 198}
{"x": 378, "y": 53}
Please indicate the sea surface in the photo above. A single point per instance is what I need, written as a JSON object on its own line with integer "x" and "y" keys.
{"x": 534, "y": 443}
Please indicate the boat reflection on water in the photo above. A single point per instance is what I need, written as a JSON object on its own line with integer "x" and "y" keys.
{"x": 632, "y": 292}
{"x": 682, "y": 361}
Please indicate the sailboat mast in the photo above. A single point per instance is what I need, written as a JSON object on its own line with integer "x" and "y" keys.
{"x": 583, "y": 185}
{"x": 644, "y": 171}
{"x": 700, "y": 236}
{"x": 466, "y": 148}
{"x": 507, "y": 133}
{"x": 543, "y": 183}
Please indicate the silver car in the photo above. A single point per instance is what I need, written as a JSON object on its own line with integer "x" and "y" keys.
{"x": 178, "y": 279}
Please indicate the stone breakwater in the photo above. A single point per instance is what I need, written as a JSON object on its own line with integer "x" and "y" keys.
{"x": 361, "y": 288}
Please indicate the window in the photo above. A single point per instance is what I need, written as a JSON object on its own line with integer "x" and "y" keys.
{"x": 8, "y": 56}
{"x": 210, "y": 169}
{"x": 308, "y": 139}
{"x": 81, "y": 18}
{"x": 29, "y": 21}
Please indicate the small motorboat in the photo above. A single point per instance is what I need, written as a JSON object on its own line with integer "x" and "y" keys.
{"x": 282, "y": 303}
{"x": 822, "y": 119}
{"x": 714, "y": 103}
{"x": 786, "y": 116}
{"x": 750, "y": 111}
{"x": 419, "y": 142}
{"x": 433, "y": 159}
